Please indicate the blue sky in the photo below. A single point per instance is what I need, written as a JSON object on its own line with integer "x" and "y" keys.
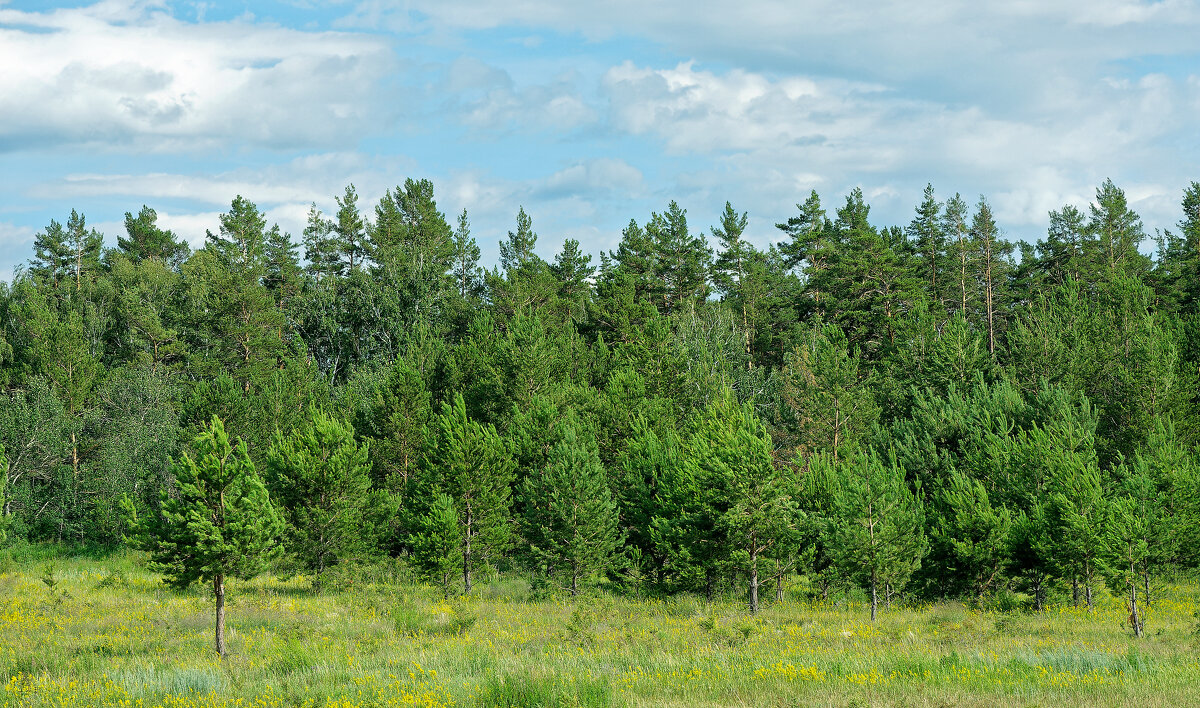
{"x": 590, "y": 114}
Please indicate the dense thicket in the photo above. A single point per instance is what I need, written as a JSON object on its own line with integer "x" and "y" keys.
{"x": 925, "y": 409}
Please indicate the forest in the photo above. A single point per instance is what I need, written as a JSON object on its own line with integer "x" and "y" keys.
{"x": 907, "y": 412}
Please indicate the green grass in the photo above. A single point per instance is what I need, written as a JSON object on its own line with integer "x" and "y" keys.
{"x": 109, "y": 633}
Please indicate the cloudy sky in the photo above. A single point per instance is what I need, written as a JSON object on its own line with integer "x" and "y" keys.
{"x": 590, "y": 114}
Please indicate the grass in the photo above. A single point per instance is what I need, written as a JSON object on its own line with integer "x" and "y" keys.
{"x": 108, "y": 633}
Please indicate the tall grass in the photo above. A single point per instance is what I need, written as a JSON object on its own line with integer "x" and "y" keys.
{"x": 109, "y": 633}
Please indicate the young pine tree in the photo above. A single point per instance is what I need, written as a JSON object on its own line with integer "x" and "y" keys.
{"x": 570, "y": 517}
{"x": 220, "y": 522}
{"x": 472, "y": 465}
{"x": 320, "y": 479}
{"x": 436, "y": 542}
{"x": 879, "y": 530}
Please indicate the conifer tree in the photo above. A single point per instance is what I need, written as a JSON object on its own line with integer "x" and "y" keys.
{"x": 681, "y": 260}
{"x": 570, "y": 517}
{"x": 436, "y": 542}
{"x": 1115, "y": 232}
{"x": 879, "y": 534}
{"x": 218, "y": 522}
{"x": 144, "y": 240}
{"x": 319, "y": 479}
{"x": 517, "y": 252}
{"x": 52, "y": 255}
{"x": 926, "y": 234}
{"x": 1061, "y": 253}
{"x": 974, "y": 532}
{"x": 730, "y": 269}
{"x": 993, "y": 261}
{"x": 827, "y": 401}
{"x": 468, "y": 277}
{"x": 351, "y": 230}
{"x": 809, "y": 239}
{"x": 320, "y": 246}
{"x": 573, "y": 269}
{"x": 960, "y": 256}
{"x": 473, "y": 465}
{"x": 240, "y": 240}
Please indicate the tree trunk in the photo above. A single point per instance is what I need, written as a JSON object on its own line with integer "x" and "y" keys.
{"x": 1135, "y": 617}
{"x": 874, "y": 599}
{"x": 467, "y": 557}
{"x": 779, "y": 588}
{"x": 1075, "y": 591}
{"x": 753, "y": 580}
{"x": 219, "y": 591}
{"x": 709, "y": 581}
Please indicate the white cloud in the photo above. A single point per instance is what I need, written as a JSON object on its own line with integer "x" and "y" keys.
{"x": 786, "y": 135}
{"x": 128, "y": 75}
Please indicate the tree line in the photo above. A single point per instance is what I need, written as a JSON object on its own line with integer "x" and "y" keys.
{"x": 925, "y": 410}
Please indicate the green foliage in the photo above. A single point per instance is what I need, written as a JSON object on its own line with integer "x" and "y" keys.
{"x": 473, "y": 465}
{"x": 319, "y": 479}
{"x": 570, "y": 517}
{"x": 218, "y": 522}
{"x": 878, "y": 535}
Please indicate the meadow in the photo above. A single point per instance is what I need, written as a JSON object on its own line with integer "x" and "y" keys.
{"x": 103, "y": 631}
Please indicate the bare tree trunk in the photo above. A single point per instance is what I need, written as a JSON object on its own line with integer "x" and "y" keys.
{"x": 467, "y": 556}
{"x": 219, "y": 591}
{"x": 1075, "y": 591}
{"x": 753, "y": 579}
{"x": 1135, "y": 617}
{"x": 874, "y": 598}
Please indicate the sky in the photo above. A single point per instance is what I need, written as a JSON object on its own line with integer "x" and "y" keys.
{"x": 590, "y": 114}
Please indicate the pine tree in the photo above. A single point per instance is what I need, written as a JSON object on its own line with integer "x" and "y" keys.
{"x": 1078, "y": 515}
{"x": 570, "y": 517}
{"x": 827, "y": 401}
{"x": 573, "y": 269}
{"x": 517, "y": 252}
{"x": 809, "y": 238}
{"x": 281, "y": 266}
{"x": 351, "y": 231}
{"x": 926, "y": 234}
{"x": 1115, "y": 233}
{"x": 436, "y": 542}
{"x": 51, "y": 255}
{"x": 468, "y": 277}
{"x": 320, "y": 246}
{"x": 681, "y": 260}
{"x": 219, "y": 523}
{"x": 319, "y": 479}
{"x": 473, "y": 465}
{"x": 1128, "y": 537}
{"x": 241, "y": 238}
{"x": 973, "y": 531}
{"x": 145, "y": 240}
{"x": 733, "y": 446}
{"x": 879, "y": 534}
{"x": 960, "y": 256}
{"x": 731, "y": 267}
{"x": 1061, "y": 253}
{"x": 993, "y": 260}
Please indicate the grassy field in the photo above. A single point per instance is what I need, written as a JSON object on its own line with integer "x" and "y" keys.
{"x": 109, "y": 633}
